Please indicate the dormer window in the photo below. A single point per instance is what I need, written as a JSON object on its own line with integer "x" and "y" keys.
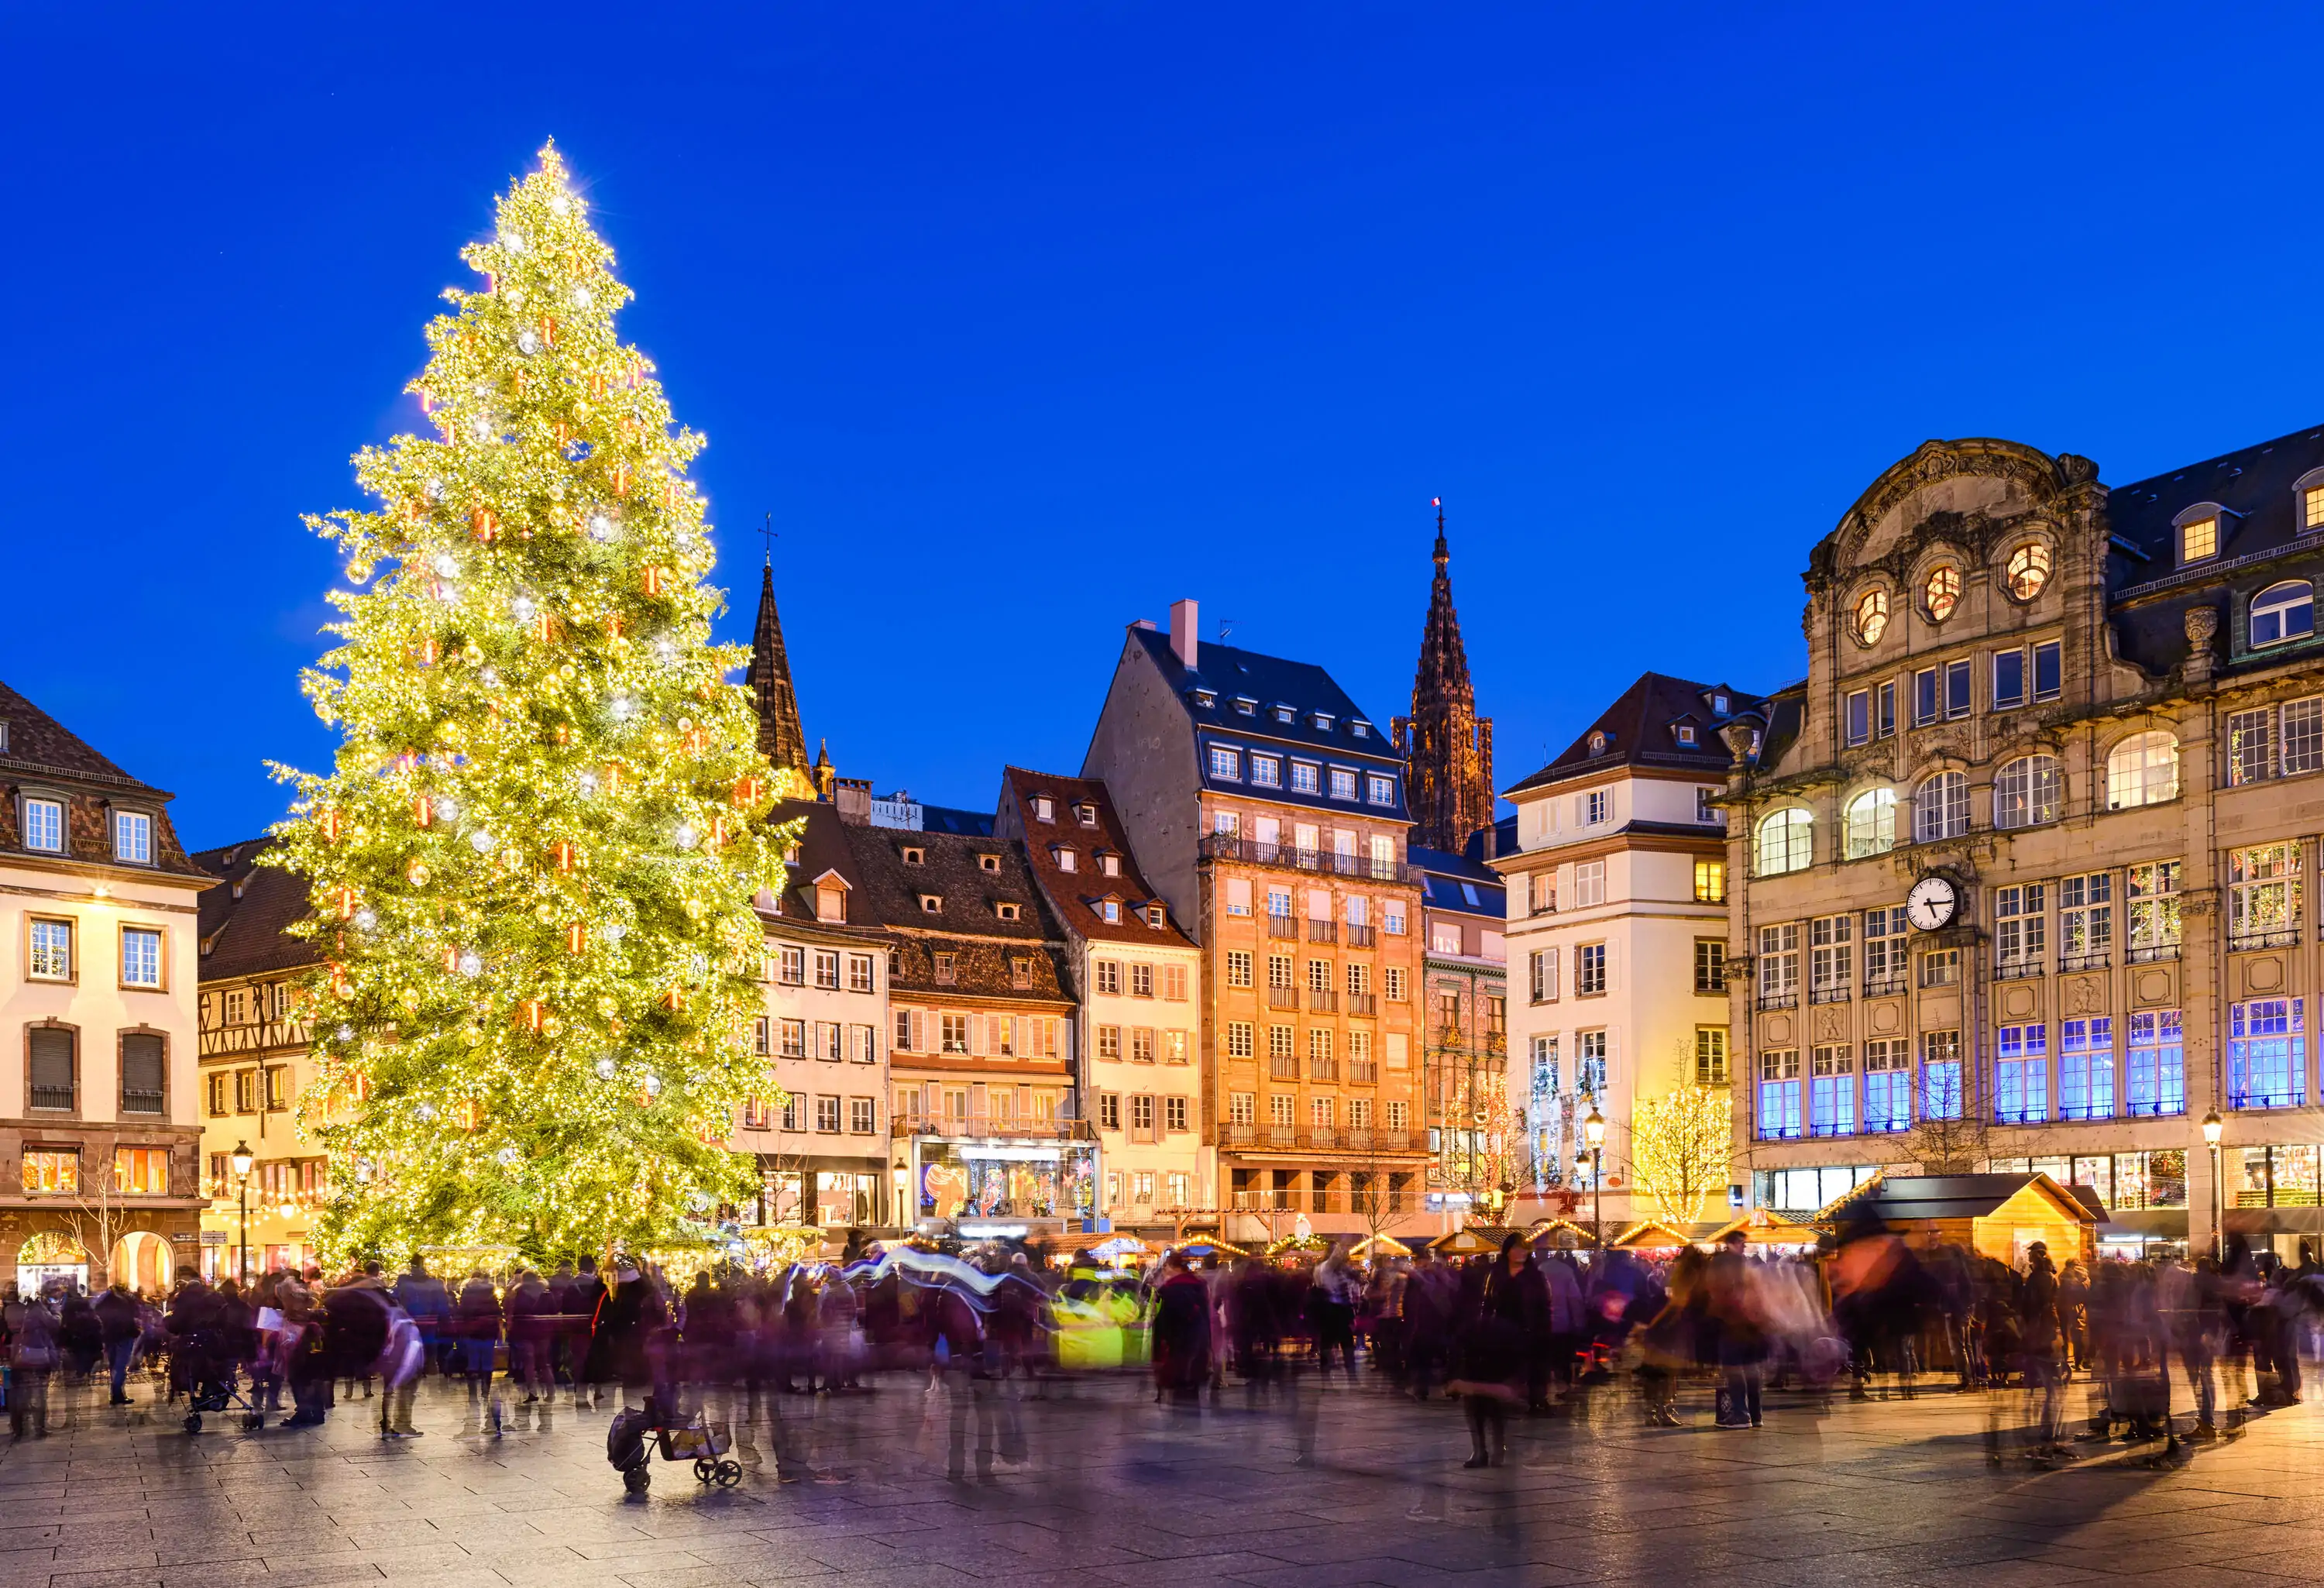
{"x": 1226, "y": 764}
{"x": 1045, "y": 810}
{"x": 988, "y": 863}
{"x": 1245, "y": 706}
{"x": 946, "y": 971}
{"x": 2199, "y": 538}
{"x": 2309, "y": 488}
{"x": 44, "y": 825}
{"x": 914, "y": 855}
{"x": 1208, "y": 699}
{"x": 1597, "y": 742}
{"x": 1360, "y": 728}
{"x": 1283, "y": 713}
{"x": 1343, "y": 782}
{"x": 1065, "y": 858}
{"x": 1156, "y": 917}
{"x": 1086, "y": 815}
{"x": 1718, "y": 705}
{"x": 1323, "y": 722}
{"x": 831, "y": 900}
{"x": 932, "y": 904}
{"x": 1020, "y": 971}
{"x": 1007, "y": 911}
{"x": 1686, "y": 735}
{"x": 1266, "y": 771}
{"x": 1110, "y": 909}
{"x": 1110, "y": 863}
{"x": 1307, "y": 777}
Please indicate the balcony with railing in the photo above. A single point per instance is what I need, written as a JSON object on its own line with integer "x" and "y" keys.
{"x": 1365, "y": 1005}
{"x": 986, "y": 1126}
{"x": 1282, "y": 1067}
{"x": 2282, "y": 938}
{"x": 1829, "y": 993}
{"x": 1283, "y": 998}
{"x": 1281, "y": 925}
{"x": 2151, "y": 953}
{"x": 2015, "y": 970}
{"x": 1323, "y": 1069}
{"x": 133, "y": 1101}
{"x": 1323, "y": 931}
{"x": 1253, "y": 851}
{"x": 1322, "y": 1001}
{"x": 59, "y": 1098}
{"x": 2085, "y": 962}
{"x": 1363, "y": 1072}
{"x": 1785, "y": 1000}
{"x": 1887, "y": 986}
{"x": 1359, "y": 935}
{"x": 1318, "y": 1141}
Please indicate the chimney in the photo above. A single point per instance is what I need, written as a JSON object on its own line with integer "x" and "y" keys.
{"x": 852, "y": 795}
{"x": 1183, "y": 638}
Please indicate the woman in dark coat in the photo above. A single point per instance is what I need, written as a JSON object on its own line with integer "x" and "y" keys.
{"x": 629, "y": 1326}
{"x": 1182, "y": 1332}
{"x": 1510, "y": 1311}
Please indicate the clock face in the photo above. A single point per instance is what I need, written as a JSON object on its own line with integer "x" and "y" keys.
{"x": 1930, "y": 903}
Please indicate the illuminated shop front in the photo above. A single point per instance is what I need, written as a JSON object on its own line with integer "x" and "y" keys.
{"x": 1006, "y": 1180}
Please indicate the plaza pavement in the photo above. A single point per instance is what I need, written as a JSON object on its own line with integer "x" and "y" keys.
{"x": 1113, "y": 1490}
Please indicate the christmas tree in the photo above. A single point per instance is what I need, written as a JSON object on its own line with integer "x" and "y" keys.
{"x": 533, "y": 867}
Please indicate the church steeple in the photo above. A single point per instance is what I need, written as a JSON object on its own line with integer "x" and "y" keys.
{"x": 781, "y": 739}
{"x": 1448, "y": 747}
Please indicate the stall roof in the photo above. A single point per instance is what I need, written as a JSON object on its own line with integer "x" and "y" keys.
{"x": 1968, "y": 1196}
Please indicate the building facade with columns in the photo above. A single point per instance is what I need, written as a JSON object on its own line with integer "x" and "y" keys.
{"x": 2019, "y": 873}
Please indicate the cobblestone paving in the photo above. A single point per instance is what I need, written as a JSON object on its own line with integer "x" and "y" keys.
{"x": 1113, "y": 1490}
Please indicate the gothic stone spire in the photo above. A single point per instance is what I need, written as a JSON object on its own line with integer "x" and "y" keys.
{"x": 1448, "y": 747}
{"x": 781, "y": 739}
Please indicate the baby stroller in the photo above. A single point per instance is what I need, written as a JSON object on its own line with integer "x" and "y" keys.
{"x": 681, "y": 1438}
{"x": 212, "y": 1384}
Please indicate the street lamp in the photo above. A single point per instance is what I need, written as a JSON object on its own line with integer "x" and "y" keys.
{"x": 243, "y": 1159}
{"x": 1594, "y": 1128}
{"x": 2213, "y": 1128}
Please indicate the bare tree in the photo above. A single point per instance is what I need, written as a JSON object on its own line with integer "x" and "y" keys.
{"x": 1950, "y": 1134}
{"x": 98, "y": 1217}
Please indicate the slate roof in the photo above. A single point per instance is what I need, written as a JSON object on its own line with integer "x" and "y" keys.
{"x": 245, "y": 920}
{"x": 40, "y": 749}
{"x": 1954, "y": 1197}
{"x": 1505, "y": 840}
{"x": 966, "y": 922}
{"x": 1456, "y": 883}
{"x": 1074, "y": 896}
{"x": 824, "y": 848}
{"x": 1640, "y": 728}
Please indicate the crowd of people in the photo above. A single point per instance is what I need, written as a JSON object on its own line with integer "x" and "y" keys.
{"x": 1529, "y": 1330}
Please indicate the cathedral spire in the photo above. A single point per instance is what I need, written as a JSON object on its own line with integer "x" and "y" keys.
{"x": 781, "y": 739}
{"x": 1448, "y": 747}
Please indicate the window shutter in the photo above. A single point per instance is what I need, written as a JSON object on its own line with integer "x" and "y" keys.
{"x": 1319, "y": 904}
{"x": 1613, "y": 978}
{"x": 140, "y": 1062}
{"x": 976, "y": 1035}
{"x": 919, "y": 1031}
{"x": 52, "y": 1056}
{"x": 1238, "y": 895}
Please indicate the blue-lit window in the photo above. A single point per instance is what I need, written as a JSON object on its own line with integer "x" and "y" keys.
{"x": 2086, "y": 1069}
{"x": 2158, "y": 1064}
{"x": 2267, "y": 1054}
{"x": 2021, "y": 1074}
{"x": 1831, "y": 1092}
{"x": 1942, "y": 1094}
{"x": 1779, "y": 1094}
{"x": 1889, "y": 1085}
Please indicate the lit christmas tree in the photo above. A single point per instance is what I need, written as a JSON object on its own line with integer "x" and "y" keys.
{"x": 533, "y": 867}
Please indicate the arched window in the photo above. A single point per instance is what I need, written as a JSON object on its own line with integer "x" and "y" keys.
{"x": 1872, "y": 823}
{"x": 2026, "y": 792}
{"x": 1941, "y": 592}
{"x": 1871, "y": 616}
{"x": 2029, "y": 570}
{"x": 1941, "y": 806}
{"x": 1786, "y": 841}
{"x": 2142, "y": 770}
{"x": 2284, "y": 611}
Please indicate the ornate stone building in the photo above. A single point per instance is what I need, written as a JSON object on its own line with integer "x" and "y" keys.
{"x": 2019, "y": 871}
{"x": 781, "y": 739}
{"x": 1447, "y": 746}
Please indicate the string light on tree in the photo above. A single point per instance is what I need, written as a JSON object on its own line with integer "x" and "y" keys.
{"x": 526, "y": 1043}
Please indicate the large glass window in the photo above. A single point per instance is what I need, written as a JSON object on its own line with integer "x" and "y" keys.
{"x": 1941, "y": 592}
{"x": 1871, "y": 823}
{"x": 2301, "y": 739}
{"x": 2029, "y": 570}
{"x": 1830, "y": 971}
{"x": 2086, "y": 1069}
{"x": 2152, "y": 891}
{"x": 1941, "y": 806}
{"x": 1779, "y": 1094}
{"x": 44, "y": 825}
{"x": 2263, "y": 896}
{"x": 2027, "y": 791}
{"x": 2251, "y": 746}
{"x": 2284, "y": 611}
{"x": 1885, "y": 966}
{"x": 1943, "y": 1087}
{"x": 1887, "y": 1084}
{"x": 2267, "y": 1054}
{"x": 1871, "y": 616}
{"x": 2021, "y": 1091}
{"x": 2142, "y": 770}
{"x": 1779, "y": 966}
{"x": 2085, "y": 921}
{"x": 1831, "y": 1091}
{"x": 2158, "y": 1064}
{"x": 1786, "y": 841}
{"x": 2017, "y": 927}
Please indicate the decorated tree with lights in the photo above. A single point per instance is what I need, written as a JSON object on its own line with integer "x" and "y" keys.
{"x": 532, "y": 866}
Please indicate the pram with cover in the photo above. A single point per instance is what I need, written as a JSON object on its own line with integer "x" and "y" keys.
{"x": 694, "y": 1439}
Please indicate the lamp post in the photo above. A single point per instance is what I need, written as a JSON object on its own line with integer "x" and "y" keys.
{"x": 243, "y": 1159}
{"x": 1594, "y": 1129}
{"x": 2213, "y": 1128}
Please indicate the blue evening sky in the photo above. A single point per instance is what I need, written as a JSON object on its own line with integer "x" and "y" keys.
{"x": 1025, "y": 320}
